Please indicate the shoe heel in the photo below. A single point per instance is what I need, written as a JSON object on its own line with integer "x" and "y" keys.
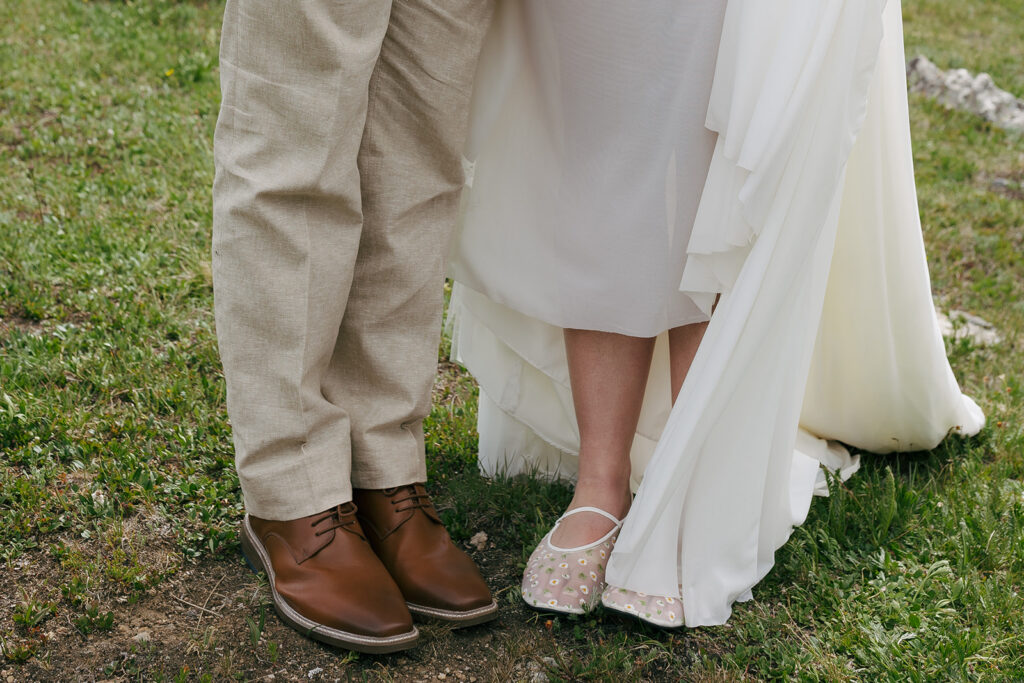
{"x": 249, "y": 553}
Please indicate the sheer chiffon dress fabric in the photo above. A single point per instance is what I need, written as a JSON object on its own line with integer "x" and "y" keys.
{"x": 807, "y": 224}
{"x": 593, "y": 153}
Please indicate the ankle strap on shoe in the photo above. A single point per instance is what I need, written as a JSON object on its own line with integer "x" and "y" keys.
{"x": 588, "y": 508}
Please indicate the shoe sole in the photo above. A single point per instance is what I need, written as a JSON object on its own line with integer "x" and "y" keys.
{"x": 455, "y": 618}
{"x": 258, "y": 558}
{"x": 550, "y": 610}
{"x": 636, "y": 617}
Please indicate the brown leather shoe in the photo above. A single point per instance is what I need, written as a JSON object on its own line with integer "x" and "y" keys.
{"x": 327, "y": 583}
{"x": 437, "y": 579}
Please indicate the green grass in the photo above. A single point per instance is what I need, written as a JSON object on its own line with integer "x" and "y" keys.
{"x": 116, "y": 476}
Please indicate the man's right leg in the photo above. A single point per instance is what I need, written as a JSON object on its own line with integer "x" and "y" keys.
{"x": 286, "y": 230}
{"x": 287, "y": 224}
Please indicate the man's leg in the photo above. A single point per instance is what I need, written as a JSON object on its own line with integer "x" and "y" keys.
{"x": 386, "y": 358}
{"x": 411, "y": 169}
{"x": 287, "y": 225}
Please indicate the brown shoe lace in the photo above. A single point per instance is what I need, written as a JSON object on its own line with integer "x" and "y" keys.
{"x": 417, "y": 498}
{"x": 342, "y": 517}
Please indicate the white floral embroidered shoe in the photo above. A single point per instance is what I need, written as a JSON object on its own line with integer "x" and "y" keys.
{"x": 568, "y": 580}
{"x": 654, "y": 609}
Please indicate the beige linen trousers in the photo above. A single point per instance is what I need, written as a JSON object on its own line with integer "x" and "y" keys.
{"x": 338, "y": 174}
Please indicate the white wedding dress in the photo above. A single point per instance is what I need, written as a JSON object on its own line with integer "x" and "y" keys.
{"x": 804, "y": 217}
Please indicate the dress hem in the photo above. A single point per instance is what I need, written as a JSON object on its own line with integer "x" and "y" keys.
{"x": 568, "y": 325}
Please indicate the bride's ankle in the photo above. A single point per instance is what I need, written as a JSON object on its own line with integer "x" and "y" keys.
{"x": 613, "y": 497}
{"x": 587, "y": 527}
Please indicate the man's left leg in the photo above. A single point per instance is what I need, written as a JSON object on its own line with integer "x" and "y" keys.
{"x": 385, "y": 360}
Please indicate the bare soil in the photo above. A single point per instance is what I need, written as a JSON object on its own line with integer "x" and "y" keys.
{"x": 205, "y": 620}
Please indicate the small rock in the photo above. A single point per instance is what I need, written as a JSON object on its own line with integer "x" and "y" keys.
{"x": 959, "y": 89}
{"x": 960, "y": 325}
{"x": 479, "y": 540}
{"x": 141, "y": 637}
{"x": 314, "y": 672}
{"x": 537, "y": 673}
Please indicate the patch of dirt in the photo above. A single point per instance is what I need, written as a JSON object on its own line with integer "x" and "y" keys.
{"x": 205, "y": 620}
{"x": 16, "y": 322}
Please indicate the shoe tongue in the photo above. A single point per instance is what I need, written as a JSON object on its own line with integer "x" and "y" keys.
{"x": 321, "y": 532}
{"x": 399, "y": 513}
{"x": 426, "y": 504}
{"x": 308, "y": 545}
{"x": 431, "y": 513}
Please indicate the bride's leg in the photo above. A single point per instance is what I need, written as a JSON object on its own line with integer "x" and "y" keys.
{"x": 660, "y": 610}
{"x": 682, "y": 344}
{"x": 608, "y": 373}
